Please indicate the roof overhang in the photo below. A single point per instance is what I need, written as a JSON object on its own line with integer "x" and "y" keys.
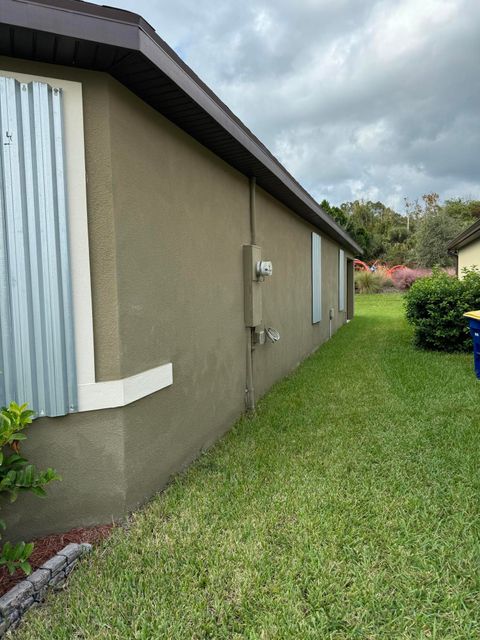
{"x": 123, "y": 44}
{"x": 466, "y": 237}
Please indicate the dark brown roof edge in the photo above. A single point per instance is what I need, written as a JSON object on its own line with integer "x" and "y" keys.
{"x": 466, "y": 237}
{"x": 121, "y": 28}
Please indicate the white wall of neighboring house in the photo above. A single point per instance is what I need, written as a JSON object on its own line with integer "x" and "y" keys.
{"x": 469, "y": 256}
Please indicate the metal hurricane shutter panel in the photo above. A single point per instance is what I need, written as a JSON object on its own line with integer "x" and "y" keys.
{"x": 341, "y": 280}
{"x": 316, "y": 278}
{"x": 36, "y": 316}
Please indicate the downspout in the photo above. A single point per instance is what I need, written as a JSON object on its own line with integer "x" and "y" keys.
{"x": 253, "y": 219}
{"x": 250, "y": 395}
{"x": 455, "y": 262}
{"x": 454, "y": 254}
{"x": 250, "y": 399}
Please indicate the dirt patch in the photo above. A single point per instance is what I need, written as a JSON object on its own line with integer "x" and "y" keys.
{"x": 48, "y": 546}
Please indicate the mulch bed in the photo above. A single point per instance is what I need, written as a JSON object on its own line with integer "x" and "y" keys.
{"x": 48, "y": 546}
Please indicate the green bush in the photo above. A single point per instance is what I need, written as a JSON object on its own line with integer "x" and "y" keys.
{"x": 435, "y": 306}
{"x": 372, "y": 281}
{"x": 18, "y": 476}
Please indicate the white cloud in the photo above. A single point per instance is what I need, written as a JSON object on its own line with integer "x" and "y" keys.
{"x": 262, "y": 23}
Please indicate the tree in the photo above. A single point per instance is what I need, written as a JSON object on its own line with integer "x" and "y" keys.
{"x": 421, "y": 236}
{"x": 466, "y": 210}
{"x": 438, "y": 224}
{"x": 335, "y": 212}
{"x": 373, "y": 226}
{"x": 435, "y": 231}
{"x": 431, "y": 204}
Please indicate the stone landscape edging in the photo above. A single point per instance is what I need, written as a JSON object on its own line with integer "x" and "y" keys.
{"x": 28, "y": 593}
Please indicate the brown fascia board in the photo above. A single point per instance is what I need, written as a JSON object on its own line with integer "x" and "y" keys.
{"x": 119, "y": 28}
{"x": 466, "y": 237}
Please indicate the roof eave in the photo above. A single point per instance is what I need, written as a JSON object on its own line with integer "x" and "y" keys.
{"x": 122, "y": 29}
{"x": 465, "y": 238}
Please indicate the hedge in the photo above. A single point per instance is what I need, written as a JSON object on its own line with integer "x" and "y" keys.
{"x": 435, "y": 306}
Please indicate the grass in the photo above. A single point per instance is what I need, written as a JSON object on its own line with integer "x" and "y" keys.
{"x": 348, "y": 507}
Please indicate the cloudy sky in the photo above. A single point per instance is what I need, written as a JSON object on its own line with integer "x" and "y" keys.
{"x": 374, "y": 99}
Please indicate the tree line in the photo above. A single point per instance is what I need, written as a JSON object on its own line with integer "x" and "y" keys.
{"x": 419, "y": 237}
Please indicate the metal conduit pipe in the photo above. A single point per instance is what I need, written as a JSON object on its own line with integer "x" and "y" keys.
{"x": 250, "y": 395}
{"x": 253, "y": 212}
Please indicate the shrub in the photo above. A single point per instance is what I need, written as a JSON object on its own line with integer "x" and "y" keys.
{"x": 435, "y": 306}
{"x": 404, "y": 278}
{"x": 17, "y": 476}
{"x": 372, "y": 281}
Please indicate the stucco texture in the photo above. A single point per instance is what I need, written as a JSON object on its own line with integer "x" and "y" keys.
{"x": 181, "y": 216}
{"x": 287, "y": 295}
{"x": 167, "y": 223}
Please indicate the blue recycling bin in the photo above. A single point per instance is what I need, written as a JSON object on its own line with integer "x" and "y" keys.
{"x": 474, "y": 319}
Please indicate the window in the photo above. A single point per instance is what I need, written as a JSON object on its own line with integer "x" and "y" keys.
{"x": 37, "y": 352}
{"x": 341, "y": 280}
{"x": 316, "y": 278}
{"x": 47, "y": 353}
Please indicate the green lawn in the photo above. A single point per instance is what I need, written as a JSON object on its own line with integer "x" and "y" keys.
{"x": 348, "y": 507}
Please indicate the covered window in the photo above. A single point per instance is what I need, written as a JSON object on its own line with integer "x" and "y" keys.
{"x": 316, "y": 278}
{"x": 37, "y": 352}
{"x": 341, "y": 280}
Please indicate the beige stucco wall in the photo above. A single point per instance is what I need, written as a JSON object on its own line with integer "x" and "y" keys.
{"x": 181, "y": 216}
{"x": 469, "y": 257}
{"x": 167, "y": 222}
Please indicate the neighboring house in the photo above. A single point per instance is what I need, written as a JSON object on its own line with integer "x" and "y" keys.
{"x": 466, "y": 248}
{"x": 135, "y": 209}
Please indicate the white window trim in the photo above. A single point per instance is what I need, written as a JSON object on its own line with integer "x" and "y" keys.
{"x": 92, "y": 395}
{"x": 118, "y": 393}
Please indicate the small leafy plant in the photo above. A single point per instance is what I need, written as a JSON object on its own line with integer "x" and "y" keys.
{"x": 17, "y": 475}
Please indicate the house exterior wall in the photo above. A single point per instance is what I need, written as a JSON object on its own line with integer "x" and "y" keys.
{"x": 180, "y": 287}
{"x": 167, "y": 223}
{"x": 469, "y": 256}
{"x": 287, "y": 295}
